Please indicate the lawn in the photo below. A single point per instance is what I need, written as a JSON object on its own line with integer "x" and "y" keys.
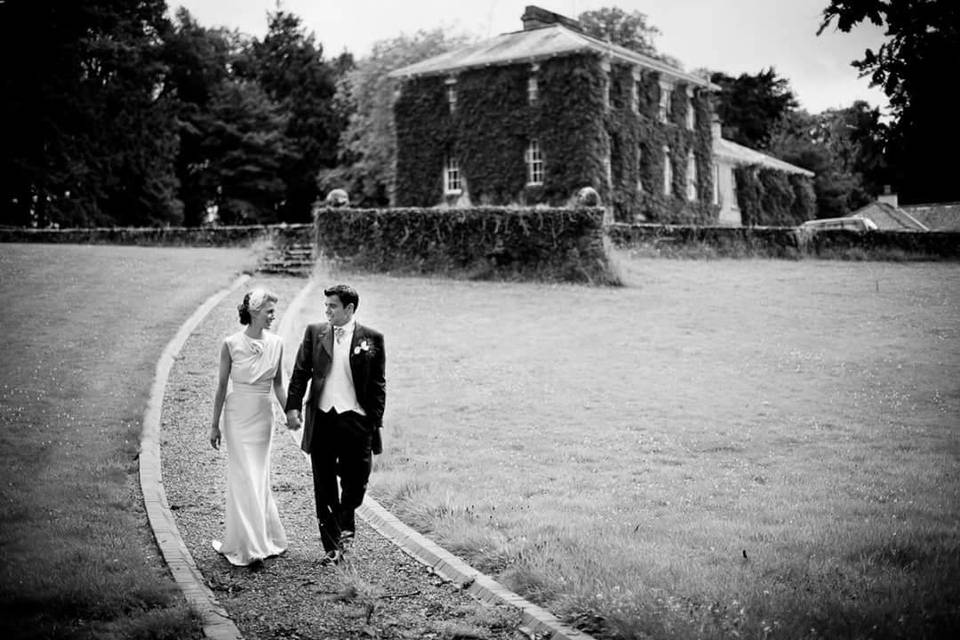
{"x": 84, "y": 327}
{"x": 722, "y": 448}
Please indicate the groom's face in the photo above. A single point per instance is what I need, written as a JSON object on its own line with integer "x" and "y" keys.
{"x": 337, "y": 315}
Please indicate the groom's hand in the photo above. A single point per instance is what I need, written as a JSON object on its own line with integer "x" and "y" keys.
{"x": 293, "y": 419}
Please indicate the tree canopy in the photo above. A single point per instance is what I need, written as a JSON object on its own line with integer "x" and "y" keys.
{"x": 912, "y": 67}
{"x": 751, "y": 106}
{"x": 627, "y": 29}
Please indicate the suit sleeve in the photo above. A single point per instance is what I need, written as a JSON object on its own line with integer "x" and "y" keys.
{"x": 378, "y": 382}
{"x": 302, "y": 371}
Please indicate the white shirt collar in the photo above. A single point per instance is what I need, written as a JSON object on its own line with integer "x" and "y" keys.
{"x": 349, "y": 326}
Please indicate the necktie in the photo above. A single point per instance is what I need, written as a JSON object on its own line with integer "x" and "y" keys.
{"x": 338, "y": 333}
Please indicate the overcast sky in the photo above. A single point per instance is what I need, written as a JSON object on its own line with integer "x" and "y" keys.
{"x": 732, "y": 36}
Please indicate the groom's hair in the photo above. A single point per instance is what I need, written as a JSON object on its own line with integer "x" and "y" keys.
{"x": 346, "y": 293}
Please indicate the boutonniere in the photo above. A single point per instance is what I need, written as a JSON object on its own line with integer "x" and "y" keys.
{"x": 363, "y": 347}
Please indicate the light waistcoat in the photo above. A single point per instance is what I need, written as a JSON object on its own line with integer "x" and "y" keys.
{"x": 338, "y": 391}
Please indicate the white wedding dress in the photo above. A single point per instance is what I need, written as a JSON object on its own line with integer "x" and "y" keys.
{"x": 253, "y": 528}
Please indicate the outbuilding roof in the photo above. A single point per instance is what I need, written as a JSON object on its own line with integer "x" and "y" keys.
{"x": 531, "y": 45}
{"x": 739, "y": 154}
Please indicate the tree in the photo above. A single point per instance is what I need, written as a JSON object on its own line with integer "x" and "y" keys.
{"x": 629, "y": 30}
{"x": 911, "y": 67}
{"x": 365, "y": 96}
{"x": 245, "y": 146}
{"x": 289, "y": 65}
{"x": 197, "y": 59}
{"x": 840, "y": 147}
{"x": 89, "y": 135}
{"x": 752, "y": 106}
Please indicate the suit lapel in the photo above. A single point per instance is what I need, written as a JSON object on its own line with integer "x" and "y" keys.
{"x": 358, "y": 334}
{"x": 326, "y": 339}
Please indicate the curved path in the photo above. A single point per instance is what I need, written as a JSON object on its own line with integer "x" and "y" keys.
{"x": 217, "y": 624}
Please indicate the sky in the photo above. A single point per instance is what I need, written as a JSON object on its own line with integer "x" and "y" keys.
{"x": 731, "y": 36}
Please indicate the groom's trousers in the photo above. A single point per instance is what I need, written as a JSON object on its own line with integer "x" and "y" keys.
{"x": 340, "y": 447}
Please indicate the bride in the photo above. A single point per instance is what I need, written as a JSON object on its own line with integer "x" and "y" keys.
{"x": 250, "y": 359}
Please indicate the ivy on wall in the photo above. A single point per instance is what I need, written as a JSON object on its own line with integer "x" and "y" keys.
{"x": 494, "y": 123}
{"x": 768, "y": 197}
{"x": 639, "y": 139}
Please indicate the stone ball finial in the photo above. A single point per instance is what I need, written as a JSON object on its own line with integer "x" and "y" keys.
{"x": 337, "y": 198}
{"x": 588, "y": 197}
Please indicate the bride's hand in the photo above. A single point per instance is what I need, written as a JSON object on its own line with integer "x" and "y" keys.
{"x": 215, "y": 437}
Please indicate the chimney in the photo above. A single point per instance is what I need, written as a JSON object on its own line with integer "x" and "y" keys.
{"x": 534, "y": 18}
{"x": 888, "y": 198}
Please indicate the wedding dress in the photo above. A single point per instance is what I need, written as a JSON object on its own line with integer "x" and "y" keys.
{"x": 253, "y": 528}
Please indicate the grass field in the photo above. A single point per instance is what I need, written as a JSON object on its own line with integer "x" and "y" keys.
{"x": 721, "y": 449}
{"x": 84, "y": 327}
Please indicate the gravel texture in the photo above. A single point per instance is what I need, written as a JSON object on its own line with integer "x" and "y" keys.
{"x": 380, "y": 592}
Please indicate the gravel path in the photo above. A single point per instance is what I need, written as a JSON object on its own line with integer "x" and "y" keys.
{"x": 380, "y": 593}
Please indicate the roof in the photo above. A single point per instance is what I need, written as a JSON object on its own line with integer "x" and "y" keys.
{"x": 532, "y": 45}
{"x": 936, "y": 217}
{"x": 888, "y": 217}
{"x": 739, "y": 154}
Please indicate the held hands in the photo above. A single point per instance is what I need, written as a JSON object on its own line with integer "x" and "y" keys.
{"x": 215, "y": 437}
{"x": 293, "y": 420}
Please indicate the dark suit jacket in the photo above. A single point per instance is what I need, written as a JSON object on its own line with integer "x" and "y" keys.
{"x": 312, "y": 366}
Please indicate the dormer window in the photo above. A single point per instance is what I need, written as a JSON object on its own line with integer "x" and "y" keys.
{"x": 666, "y": 100}
{"x": 452, "y": 94}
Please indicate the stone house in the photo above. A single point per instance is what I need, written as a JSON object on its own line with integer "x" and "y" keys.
{"x": 532, "y": 116}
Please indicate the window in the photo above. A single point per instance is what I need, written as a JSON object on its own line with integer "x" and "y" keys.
{"x": 667, "y": 172}
{"x": 666, "y": 100}
{"x": 691, "y": 111}
{"x": 691, "y": 177}
{"x": 734, "y": 199}
{"x": 534, "y": 160}
{"x": 452, "y": 94}
{"x": 533, "y": 90}
{"x": 640, "y": 169}
{"x": 452, "y": 183}
{"x": 635, "y": 97}
{"x": 716, "y": 183}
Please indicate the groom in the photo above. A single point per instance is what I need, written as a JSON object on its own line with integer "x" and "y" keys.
{"x": 344, "y": 363}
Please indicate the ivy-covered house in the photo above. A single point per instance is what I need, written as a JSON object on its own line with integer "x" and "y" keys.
{"x": 531, "y": 117}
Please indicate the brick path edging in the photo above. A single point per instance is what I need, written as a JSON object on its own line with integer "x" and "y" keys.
{"x": 216, "y": 622}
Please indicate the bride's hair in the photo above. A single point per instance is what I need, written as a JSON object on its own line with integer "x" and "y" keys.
{"x": 253, "y": 301}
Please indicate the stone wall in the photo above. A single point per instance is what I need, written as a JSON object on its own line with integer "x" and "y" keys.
{"x": 784, "y": 242}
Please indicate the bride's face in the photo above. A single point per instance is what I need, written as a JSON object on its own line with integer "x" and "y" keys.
{"x": 263, "y": 317}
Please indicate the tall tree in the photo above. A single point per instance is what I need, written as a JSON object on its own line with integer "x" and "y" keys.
{"x": 90, "y": 137}
{"x": 615, "y": 25}
{"x": 289, "y": 65}
{"x": 245, "y": 147}
{"x": 752, "y": 106}
{"x": 365, "y": 96}
{"x": 198, "y": 65}
{"x": 912, "y": 67}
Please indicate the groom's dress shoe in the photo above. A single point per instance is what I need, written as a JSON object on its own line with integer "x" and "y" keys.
{"x": 347, "y": 536}
{"x": 331, "y": 558}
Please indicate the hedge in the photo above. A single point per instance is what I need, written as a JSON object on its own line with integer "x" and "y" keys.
{"x": 545, "y": 244}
